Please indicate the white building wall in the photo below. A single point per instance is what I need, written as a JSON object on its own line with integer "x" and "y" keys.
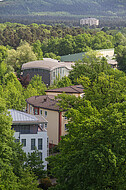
{"x": 40, "y": 135}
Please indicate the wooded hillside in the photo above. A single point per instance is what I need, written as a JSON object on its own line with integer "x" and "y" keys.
{"x": 63, "y": 8}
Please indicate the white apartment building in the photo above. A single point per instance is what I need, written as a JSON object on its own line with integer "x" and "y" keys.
{"x": 30, "y": 131}
{"x": 89, "y": 21}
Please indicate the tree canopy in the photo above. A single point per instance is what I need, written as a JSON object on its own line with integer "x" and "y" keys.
{"x": 92, "y": 154}
{"x": 13, "y": 175}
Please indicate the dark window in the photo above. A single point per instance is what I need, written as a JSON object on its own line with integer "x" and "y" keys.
{"x": 32, "y": 144}
{"x": 46, "y": 125}
{"x": 66, "y": 128}
{"x": 47, "y": 143}
{"x": 53, "y": 74}
{"x": 35, "y": 111}
{"x": 39, "y": 144}
{"x": 25, "y": 129}
{"x": 23, "y": 141}
{"x": 40, "y": 155}
{"x": 45, "y": 113}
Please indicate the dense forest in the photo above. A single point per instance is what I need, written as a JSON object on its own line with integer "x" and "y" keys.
{"x": 71, "y": 11}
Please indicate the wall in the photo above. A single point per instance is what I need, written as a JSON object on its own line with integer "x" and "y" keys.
{"x": 53, "y": 123}
{"x": 41, "y": 72}
{"x": 56, "y": 93}
{"x": 28, "y": 138}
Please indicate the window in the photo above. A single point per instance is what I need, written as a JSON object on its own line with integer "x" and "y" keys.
{"x": 27, "y": 108}
{"x": 23, "y": 141}
{"x": 45, "y": 113}
{"x": 47, "y": 142}
{"x": 66, "y": 127}
{"x": 32, "y": 144}
{"x": 40, "y": 155}
{"x": 54, "y": 74}
{"x": 25, "y": 129}
{"x": 47, "y": 152}
{"x": 30, "y": 109}
{"x": 46, "y": 125}
{"x": 35, "y": 111}
{"x": 65, "y": 117}
{"x": 40, "y": 112}
{"x": 60, "y": 70}
{"x": 39, "y": 144}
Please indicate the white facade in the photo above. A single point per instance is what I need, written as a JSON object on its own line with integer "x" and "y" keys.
{"x": 44, "y": 149}
{"x": 30, "y": 131}
{"x": 89, "y": 21}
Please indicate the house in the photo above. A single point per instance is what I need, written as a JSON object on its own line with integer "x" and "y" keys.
{"x": 89, "y": 21}
{"x": 48, "y": 68}
{"x": 76, "y": 90}
{"x": 31, "y": 131}
{"x": 47, "y": 106}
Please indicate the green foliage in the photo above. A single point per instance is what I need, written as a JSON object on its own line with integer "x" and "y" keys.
{"x": 62, "y": 9}
{"x": 92, "y": 155}
{"x": 52, "y": 56}
{"x": 61, "y": 82}
{"x": 119, "y": 39}
{"x": 13, "y": 175}
{"x": 37, "y": 49}
{"x": 12, "y": 92}
{"x": 91, "y": 67}
{"x": 37, "y": 83}
{"x": 102, "y": 41}
{"x": 105, "y": 90}
{"x": 121, "y": 57}
{"x": 3, "y": 53}
{"x": 36, "y": 164}
{"x": 23, "y": 54}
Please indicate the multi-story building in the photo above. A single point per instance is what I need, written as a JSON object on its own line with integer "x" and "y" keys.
{"x": 48, "y": 68}
{"x": 89, "y": 21}
{"x": 30, "y": 131}
{"x": 47, "y": 106}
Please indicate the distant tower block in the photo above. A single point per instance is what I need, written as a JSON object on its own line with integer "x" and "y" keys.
{"x": 89, "y": 21}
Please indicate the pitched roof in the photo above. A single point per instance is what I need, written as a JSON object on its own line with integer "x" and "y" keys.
{"x": 69, "y": 89}
{"x": 25, "y": 118}
{"x": 44, "y": 101}
{"x": 46, "y": 63}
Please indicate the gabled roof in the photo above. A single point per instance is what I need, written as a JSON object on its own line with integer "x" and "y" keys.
{"x": 25, "y": 118}
{"x": 70, "y": 89}
{"x": 44, "y": 101}
{"x": 46, "y": 63}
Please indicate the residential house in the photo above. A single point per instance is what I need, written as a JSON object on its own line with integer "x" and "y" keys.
{"x": 47, "y": 106}
{"x": 76, "y": 90}
{"x": 31, "y": 131}
{"x": 48, "y": 68}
